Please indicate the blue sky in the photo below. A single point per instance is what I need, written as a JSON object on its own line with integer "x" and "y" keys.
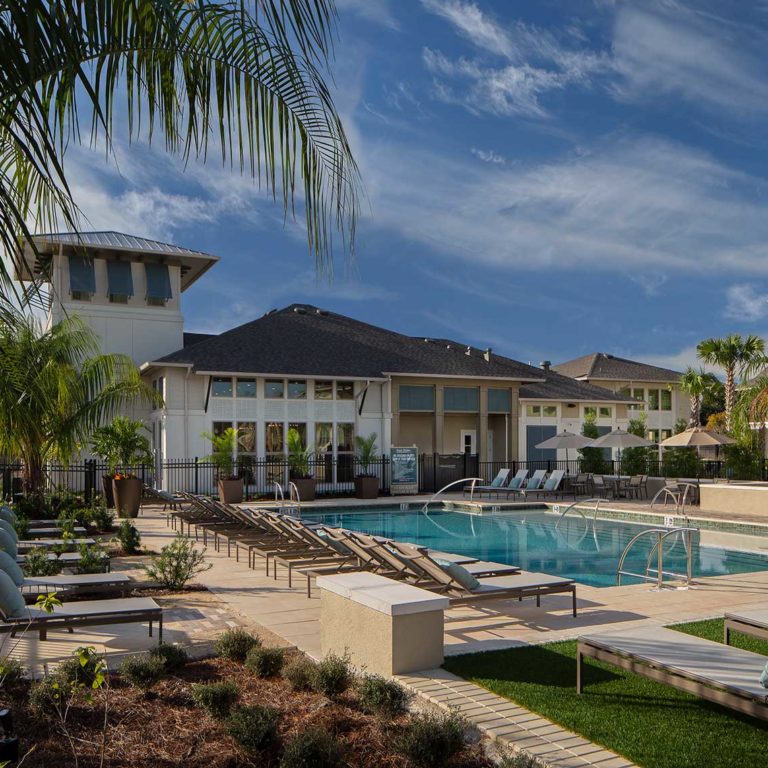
{"x": 547, "y": 178}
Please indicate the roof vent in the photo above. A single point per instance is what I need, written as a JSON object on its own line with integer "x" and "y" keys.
{"x": 300, "y": 310}
{"x": 487, "y": 354}
{"x": 468, "y": 351}
{"x": 545, "y": 365}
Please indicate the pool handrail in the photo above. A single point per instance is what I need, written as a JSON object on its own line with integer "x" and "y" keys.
{"x": 658, "y": 548}
{"x": 455, "y": 482}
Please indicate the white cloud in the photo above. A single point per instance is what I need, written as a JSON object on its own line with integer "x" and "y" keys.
{"x": 473, "y": 24}
{"x": 638, "y": 206}
{"x": 745, "y": 303}
{"x": 378, "y": 11}
{"x": 488, "y": 156}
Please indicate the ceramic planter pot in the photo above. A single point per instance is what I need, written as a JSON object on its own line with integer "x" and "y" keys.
{"x": 109, "y": 495}
{"x": 366, "y": 487}
{"x": 231, "y": 491}
{"x": 306, "y": 487}
{"x": 127, "y": 494}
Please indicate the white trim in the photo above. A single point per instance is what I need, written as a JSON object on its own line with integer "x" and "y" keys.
{"x": 393, "y": 374}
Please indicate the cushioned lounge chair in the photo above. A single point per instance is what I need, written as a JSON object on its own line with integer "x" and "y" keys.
{"x": 535, "y": 481}
{"x": 712, "y": 671}
{"x": 552, "y": 486}
{"x": 502, "y": 476}
{"x": 748, "y": 621}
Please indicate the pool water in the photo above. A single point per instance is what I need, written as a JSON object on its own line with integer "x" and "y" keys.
{"x": 530, "y": 539}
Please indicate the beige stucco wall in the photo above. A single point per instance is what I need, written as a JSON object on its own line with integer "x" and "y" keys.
{"x": 734, "y": 498}
{"x": 416, "y": 429}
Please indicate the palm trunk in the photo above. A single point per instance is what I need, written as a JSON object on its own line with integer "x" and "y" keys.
{"x": 694, "y": 417}
{"x": 33, "y": 475}
{"x": 730, "y": 396}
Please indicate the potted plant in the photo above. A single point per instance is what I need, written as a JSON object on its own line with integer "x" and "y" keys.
{"x": 104, "y": 446}
{"x": 223, "y": 450}
{"x": 122, "y": 445}
{"x": 298, "y": 466}
{"x": 366, "y": 483}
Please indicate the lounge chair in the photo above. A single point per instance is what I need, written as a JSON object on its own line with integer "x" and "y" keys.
{"x": 551, "y": 486}
{"x": 415, "y": 555}
{"x": 748, "y": 621}
{"x": 502, "y": 476}
{"x": 534, "y": 482}
{"x": 18, "y": 617}
{"x": 166, "y": 498}
{"x": 712, "y": 671}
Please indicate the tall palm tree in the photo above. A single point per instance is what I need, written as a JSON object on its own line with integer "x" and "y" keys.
{"x": 739, "y": 357}
{"x": 243, "y": 74}
{"x": 695, "y": 384}
{"x": 55, "y": 389}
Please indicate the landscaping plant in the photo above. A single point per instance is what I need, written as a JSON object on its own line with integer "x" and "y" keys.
{"x": 332, "y": 676}
{"x": 129, "y": 538}
{"x": 299, "y": 673}
{"x": 92, "y": 559}
{"x": 143, "y": 671}
{"x": 37, "y": 563}
{"x": 174, "y": 657}
{"x": 101, "y": 518}
{"x": 430, "y": 740}
{"x": 177, "y": 563}
{"x": 253, "y": 727}
{"x": 382, "y": 696}
{"x": 222, "y": 452}
{"x": 312, "y": 748}
{"x": 264, "y": 662}
{"x": 217, "y": 698}
{"x": 235, "y": 644}
{"x": 12, "y": 672}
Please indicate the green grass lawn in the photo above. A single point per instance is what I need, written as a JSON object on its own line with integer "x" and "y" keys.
{"x": 651, "y": 724}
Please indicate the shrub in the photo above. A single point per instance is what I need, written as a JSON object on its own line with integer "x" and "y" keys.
{"x": 21, "y": 526}
{"x": 37, "y": 563}
{"x": 129, "y": 537}
{"x": 174, "y": 657}
{"x": 67, "y": 528}
{"x": 312, "y": 748}
{"x": 101, "y": 518}
{"x": 382, "y": 696}
{"x": 332, "y": 675}
{"x": 12, "y": 672}
{"x": 84, "y": 668}
{"x": 47, "y": 694}
{"x": 519, "y": 760}
{"x": 92, "y": 559}
{"x": 217, "y": 699}
{"x": 429, "y": 740}
{"x": 253, "y": 728}
{"x": 235, "y": 644}
{"x": 264, "y": 662}
{"x": 33, "y": 506}
{"x": 143, "y": 671}
{"x": 300, "y": 673}
{"x": 177, "y": 563}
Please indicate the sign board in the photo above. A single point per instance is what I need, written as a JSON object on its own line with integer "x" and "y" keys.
{"x": 404, "y": 467}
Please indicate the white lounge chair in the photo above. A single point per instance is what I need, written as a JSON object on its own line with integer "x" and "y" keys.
{"x": 748, "y": 621}
{"x": 498, "y": 482}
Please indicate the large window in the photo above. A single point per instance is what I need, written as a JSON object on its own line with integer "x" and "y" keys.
{"x": 666, "y": 400}
{"x": 158, "y": 385}
{"x": 605, "y": 412}
{"x": 323, "y": 438}
{"x": 345, "y": 390}
{"x": 221, "y": 387}
{"x": 417, "y": 398}
{"x": 550, "y": 411}
{"x": 246, "y": 437}
{"x": 499, "y": 401}
{"x": 274, "y": 389}
{"x": 302, "y": 430}
{"x": 158, "y": 284}
{"x": 323, "y": 390}
{"x": 653, "y": 399}
{"x": 119, "y": 281}
{"x": 461, "y": 399}
{"x": 345, "y": 438}
{"x": 297, "y": 390}
{"x": 82, "y": 278}
{"x": 220, "y": 427}
{"x": 273, "y": 437}
{"x": 246, "y": 387}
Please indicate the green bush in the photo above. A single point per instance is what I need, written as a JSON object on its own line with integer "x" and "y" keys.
{"x": 174, "y": 657}
{"x": 67, "y": 528}
{"x": 299, "y": 673}
{"x": 217, "y": 699}
{"x": 332, "y": 676}
{"x": 21, "y": 526}
{"x": 143, "y": 671}
{"x": 12, "y": 672}
{"x": 235, "y": 644}
{"x": 48, "y": 694}
{"x": 37, "y": 563}
{"x": 129, "y": 537}
{"x": 264, "y": 662}
{"x": 429, "y": 740}
{"x": 254, "y": 727}
{"x": 592, "y": 459}
{"x": 312, "y": 748}
{"x": 519, "y": 760}
{"x": 101, "y": 518}
{"x": 83, "y": 668}
{"x": 177, "y": 563}
{"x": 382, "y": 696}
{"x": 92, "y": 559}
{"x": 34, "y": 506}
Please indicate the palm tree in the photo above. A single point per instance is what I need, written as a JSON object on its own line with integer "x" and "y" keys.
{"x": 243, "y": 74}
{"x": 55, "y": 390}
{"x": 739, "y": 357}
{"x": 696, "y": 384}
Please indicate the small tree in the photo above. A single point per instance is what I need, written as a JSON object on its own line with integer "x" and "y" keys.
{"x": 298, "y": 456}
{"x": 591, "y": 458}
{"x": 122, "y": 444}
{"x": 366, "y": 453}
{"x": 177, "y": 563}
{"x": 634, "y": 461}
{"x": 223, "y": 450}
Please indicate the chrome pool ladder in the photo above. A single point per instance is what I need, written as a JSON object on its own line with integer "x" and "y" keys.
{"x": 661, "y": 534}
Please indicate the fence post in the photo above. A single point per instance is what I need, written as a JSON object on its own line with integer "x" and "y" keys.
{"x": 197, "y": 492}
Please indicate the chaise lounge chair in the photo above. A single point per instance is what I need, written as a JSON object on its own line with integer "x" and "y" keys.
{"x": 748, "y": 621}
{"x": 535, "y": 481}
{"x": 712, "y": 671}
{"x": 498, "y": 482}
{"x": 551, "y": 486}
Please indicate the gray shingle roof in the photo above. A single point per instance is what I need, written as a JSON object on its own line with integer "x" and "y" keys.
{"x": 196, "y": 338}
{"x": 559, "y": 387}
{"x": 303, "y": 340}
{"x": 599, "y": 365}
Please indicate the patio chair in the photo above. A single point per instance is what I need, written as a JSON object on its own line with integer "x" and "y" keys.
{"x": 167, "y": 499}
{"x": 748, "y": 621}
{"x": 644, "y": 486}
{"x": 712, "y": 671}
{"x": 535, "y": 481}
{"x": 18, "y": 617}
{"x": 600, "y": 488}
{"x": 552, "y": 486}
{"x": 413, "y": 554}
{"x": 499, "y": 481}
{"x": 580, "y": 485}
{"x": 634, "y": 487}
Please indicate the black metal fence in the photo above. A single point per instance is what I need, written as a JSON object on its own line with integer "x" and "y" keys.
{"x": 334, "y": 475}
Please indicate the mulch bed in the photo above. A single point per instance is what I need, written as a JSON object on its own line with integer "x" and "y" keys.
{"x": 164, "y": 728}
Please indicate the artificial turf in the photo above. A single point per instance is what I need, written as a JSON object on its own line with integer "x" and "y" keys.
{"x": 651, "y": 724}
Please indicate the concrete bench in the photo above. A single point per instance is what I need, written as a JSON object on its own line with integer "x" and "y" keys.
{"x": 386, "y": 627}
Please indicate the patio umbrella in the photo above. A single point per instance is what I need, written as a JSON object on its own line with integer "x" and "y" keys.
{"x": 565, "y": 439}
{"x": 621, "y": 439}
{"x": 696, "y": 436}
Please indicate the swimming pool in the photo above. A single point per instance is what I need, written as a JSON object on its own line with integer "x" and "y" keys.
{"x": 530, "y": 539}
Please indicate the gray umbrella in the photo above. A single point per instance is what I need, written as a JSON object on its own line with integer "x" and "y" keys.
{"x": 621, "y": 439}
{"x": 565, "y": 439}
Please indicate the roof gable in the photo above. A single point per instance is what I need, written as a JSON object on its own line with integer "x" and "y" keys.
{"x": 602, "y": 366}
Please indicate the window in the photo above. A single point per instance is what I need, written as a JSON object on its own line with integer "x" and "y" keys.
{"x": 653, "y": 435}
{"x": 665, "y": 433}
{"x": 246, "y": 387}
{"x": 323, "y": 390}
{"x": 549, "y": 410}
{"x": 639, "y": 395}
{"x": 297, "y": 390}
{"x": 653, "y": 399}
{"x": 323, "y": 437}
{"x": 345, "y": 390}
{"x": 533, "y": 410}
{"x": 666, "y": 400}
{"x": 590, "y": 411}
{"x": 345, "y": 438}
{"x": 158, "y": 284}
{"x": 246, "y": 437}
{"x": 605, "y": 412}
{"x": 461, "y": 398}
{"x": 220, "y": 427}
{"x": 417, "y": 398}
{"x": 302, "y": 430}
{"x": 273, "y": 389}
{"x": 158, "y": 385}
{"x": 273, "y": 434}
{"x": 221, "y": 387}
{"x": 119, "y": 281}
{"x": 499, "y": 401}
{"x": 82, "y": 278}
